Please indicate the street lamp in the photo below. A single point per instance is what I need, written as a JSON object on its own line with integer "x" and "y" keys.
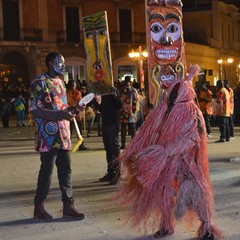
{"x": 222, "y": 66}
{"x": 139, "y": 56}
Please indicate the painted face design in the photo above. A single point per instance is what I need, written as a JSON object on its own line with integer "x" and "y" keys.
{"x": 166, "y": 35}
{"x": 166, "y": 56}
{"x": 97, "y": 46}
{"x": 167, "y": 76}
{"x": 59, "y": 65}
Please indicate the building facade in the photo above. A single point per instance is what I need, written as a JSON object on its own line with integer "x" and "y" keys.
{"x": 29, "y": 29}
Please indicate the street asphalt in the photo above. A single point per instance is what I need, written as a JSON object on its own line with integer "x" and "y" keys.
{"x": 105, "y": 220}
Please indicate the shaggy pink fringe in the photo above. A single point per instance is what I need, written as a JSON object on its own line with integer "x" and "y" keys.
{"x": 167, "y": 167}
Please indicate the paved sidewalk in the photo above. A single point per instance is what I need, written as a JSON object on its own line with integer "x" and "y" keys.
{"x": 104, "y": 220}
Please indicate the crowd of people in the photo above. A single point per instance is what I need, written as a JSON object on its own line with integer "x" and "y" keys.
{"x": 219, "y": 107}
{"x": 16, "y": 105}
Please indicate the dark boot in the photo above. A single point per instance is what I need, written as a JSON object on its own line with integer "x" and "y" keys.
{"x": 69, "y": 211}
{"x": 115, "y": 179}
{"x": 208, "y": 236}
{"x": 162, "y": 233}
{"x": 40, "y": 213}
{"x": 106, "y": 178}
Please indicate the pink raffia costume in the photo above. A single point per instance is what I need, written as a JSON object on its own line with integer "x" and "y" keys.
{"x": 165, "y": 169}
{"x": 167, "y": 166}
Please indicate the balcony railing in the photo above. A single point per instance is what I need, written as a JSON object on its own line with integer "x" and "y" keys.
{"x": 21, "y": 35}
{"x": 61, "y": 37}
{"x": 115, "y": 38}
{"x": 32, "y": 35}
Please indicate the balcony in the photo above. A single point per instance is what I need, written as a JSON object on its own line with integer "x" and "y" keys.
{"x": 115, "y": 38}
{"x": 33, "y": 35}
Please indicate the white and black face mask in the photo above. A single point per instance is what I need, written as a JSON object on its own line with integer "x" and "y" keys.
{"x": 59, "y": 65}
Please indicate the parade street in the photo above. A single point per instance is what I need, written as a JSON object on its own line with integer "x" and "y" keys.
{"x": 104, "y": 218}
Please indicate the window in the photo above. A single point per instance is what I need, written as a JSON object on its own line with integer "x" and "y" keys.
{"x": 125, "y": 25}
{"x": 72, "y": 24}
{"x": 11, "y": 22}
{"x": 127, "y": 70}
{"x": 75, "y": 71}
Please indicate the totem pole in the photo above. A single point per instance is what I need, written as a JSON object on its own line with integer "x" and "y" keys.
{"x": 166, "y": 54}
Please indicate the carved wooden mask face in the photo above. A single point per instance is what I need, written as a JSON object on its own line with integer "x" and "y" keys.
{"x": 166, "y": 39}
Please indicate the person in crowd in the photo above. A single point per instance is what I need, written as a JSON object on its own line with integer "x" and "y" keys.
{"x": 20, "y": 110}
{"x": 5, "y": 111}
{"x": 231, "y": 96}
{"x": 206, "y": 106}
{"x": 237, "y": 104}
{"x": 109, "y": 106}
{"x": 84, "y": 91}
{"x": 130, "y": 108}
{"x": 143, "y": 108}
{"x": 52, "y": 115}
{"x": 90, "y": 117}
{"x": 74, "y": 96}
{"x": 222, "y": 112}
{"x": 98, "y": 118}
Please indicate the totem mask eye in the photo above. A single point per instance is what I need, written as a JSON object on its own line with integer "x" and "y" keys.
{"x": 89, "y": 35}
{"x": 174, "y": 31}
{"x": 157, "y": 31}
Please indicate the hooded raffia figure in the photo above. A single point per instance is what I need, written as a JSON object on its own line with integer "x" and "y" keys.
{"x": 167, "y": 166}
{"x": 165, "y": 172}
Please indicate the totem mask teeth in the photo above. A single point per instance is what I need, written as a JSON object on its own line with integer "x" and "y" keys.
{"x": 166, "y": 54}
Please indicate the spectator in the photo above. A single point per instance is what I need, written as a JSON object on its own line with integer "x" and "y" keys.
{"x": 223, "y": 112}
{"x": 230, "y": 119}
{"x": 5, "y": 112}
{"x": 109, "y": 105}
{"x": 206, "y": 106}
{"x": 20, "y": 110}
{"x": 74, "y": 96}
{"x": 237, "y": 104}
{"x": 98, "y": 118}
{"x": 129, "y": 97}
{"x": 90, "y": 117}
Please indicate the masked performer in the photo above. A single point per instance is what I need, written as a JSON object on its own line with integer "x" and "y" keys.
{"x": 167, "y": 162}
{"x": 166, "y": 53}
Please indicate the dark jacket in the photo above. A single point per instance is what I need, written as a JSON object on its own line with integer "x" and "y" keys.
{"x": 110, "y": 109}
